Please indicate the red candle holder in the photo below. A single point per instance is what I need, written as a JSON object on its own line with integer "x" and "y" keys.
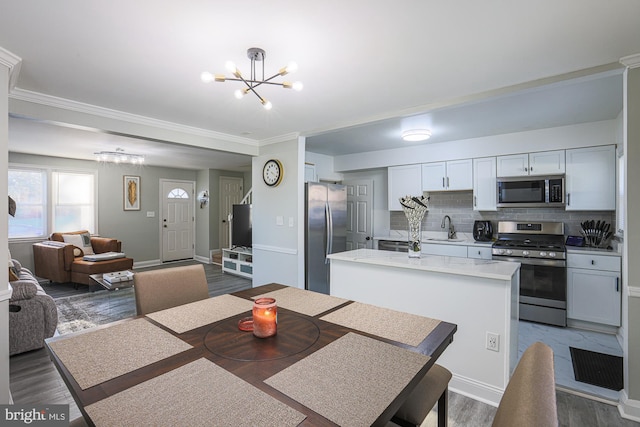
{"x": 265, "y": 317}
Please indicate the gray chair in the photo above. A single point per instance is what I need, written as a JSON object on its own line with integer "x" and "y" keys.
{"x": 431, "y": 389}
{"x": 157, "y": 290}
{"x": 530, "y": 397}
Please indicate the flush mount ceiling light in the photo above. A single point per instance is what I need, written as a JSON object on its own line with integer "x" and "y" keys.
{"x": 255, "y": 54}
{"x": 119, "y": 156}
{"x": 414, "y": 135}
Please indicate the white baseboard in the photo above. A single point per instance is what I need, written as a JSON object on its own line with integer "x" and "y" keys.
{"x": 202, "y": 259}
{"x": 476, "y": 390}
{"x": 149, "y": 263}
{"x": 629, "y": 408}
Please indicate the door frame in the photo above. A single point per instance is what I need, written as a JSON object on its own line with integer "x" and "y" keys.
{"x": 161, "y": 182}
{"x": 221, "y": 218}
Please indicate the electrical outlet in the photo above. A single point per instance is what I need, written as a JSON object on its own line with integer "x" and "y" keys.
{"x": 493, "y": 341}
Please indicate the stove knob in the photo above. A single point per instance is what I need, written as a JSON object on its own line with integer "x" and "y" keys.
{"x": 525, "y": 253}
{"x": 552, "y": 254}
{"x": 543, "y": 254}
{"x": 509, "y": 252}
{"x": 499, "y": 251}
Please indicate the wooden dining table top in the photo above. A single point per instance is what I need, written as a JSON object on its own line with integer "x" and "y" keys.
{"x": 252, "y": 359}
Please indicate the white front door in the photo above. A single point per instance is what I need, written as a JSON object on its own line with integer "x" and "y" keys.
{"x": 231, "y": 193}
{"x": 178, "y": 222}
{"x": 359, "y": 214}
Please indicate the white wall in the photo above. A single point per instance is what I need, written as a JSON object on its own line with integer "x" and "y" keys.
{"x": 324, "y": 166}
{"x": 276, "y": 248}
{"x": 575, "y": 136}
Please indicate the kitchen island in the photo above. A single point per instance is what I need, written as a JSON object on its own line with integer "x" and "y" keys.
{"x": 480, "y": 296}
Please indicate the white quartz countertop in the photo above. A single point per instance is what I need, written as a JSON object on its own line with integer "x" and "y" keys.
{"x": 501, "y": 270}
{"x": 462, "y": 239}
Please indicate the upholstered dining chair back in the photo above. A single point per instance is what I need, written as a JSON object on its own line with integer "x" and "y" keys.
{"x": 530, "y": 397}
{"x": 164, "y": 288}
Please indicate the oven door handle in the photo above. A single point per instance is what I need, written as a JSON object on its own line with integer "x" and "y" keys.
{"x": 532, "y": 261}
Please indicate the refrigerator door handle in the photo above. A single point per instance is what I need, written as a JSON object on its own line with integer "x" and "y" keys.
{"x": 329, "y": 231}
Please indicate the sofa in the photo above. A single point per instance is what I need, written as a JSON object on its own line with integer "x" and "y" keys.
{"x": 33, "y": 315}
{"x": 60, "y": 259}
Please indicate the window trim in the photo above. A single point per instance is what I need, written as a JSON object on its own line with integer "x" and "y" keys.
{"x": 49, "y": 170}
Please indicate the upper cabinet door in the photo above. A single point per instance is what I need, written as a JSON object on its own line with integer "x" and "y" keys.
{"x": 460, "y": 174}
{"x": 514, "y": 165}
{"x": 434, "y": 176}
{"x": 541, "y": 163}
{"x": 485, "y": 192}
{"x": 591, "y": 179}
{"x": 403, "y": 181}
{"x": 547, "y": 163}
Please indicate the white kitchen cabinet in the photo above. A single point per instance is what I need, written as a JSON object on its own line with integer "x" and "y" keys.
{"x": 403, "y": 181}
{"x": 591, "y": 179}
{"x": 594, "y": 288}
{"x": 540, "y": 163}
{"x": 453, "y": 175}
{"x": 484, "y": 184}
{"x": 479, "y": 252}
{"x": 444, "y": 249}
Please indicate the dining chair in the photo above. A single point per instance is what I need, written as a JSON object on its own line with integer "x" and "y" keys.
{"x": 164, "y": 288}
{"x": 530, "y": 397}
{"x": 433, "y": 388}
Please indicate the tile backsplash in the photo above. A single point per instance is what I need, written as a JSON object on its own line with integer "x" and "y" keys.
{"x": 459, "y": 206}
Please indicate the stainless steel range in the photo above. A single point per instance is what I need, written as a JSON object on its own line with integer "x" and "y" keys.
{"x": 539, "y": 247}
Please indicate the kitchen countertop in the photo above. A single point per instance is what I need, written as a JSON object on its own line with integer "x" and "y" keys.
{"x": 500, "y": 270}
{"x": 587, "y": 250}
{"x": 439, "y": 237}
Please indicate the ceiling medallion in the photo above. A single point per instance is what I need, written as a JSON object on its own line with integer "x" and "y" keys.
{"x": 255, "y": 54}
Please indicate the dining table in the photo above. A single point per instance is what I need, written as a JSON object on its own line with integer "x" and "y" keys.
{"x": 332, "y": 362}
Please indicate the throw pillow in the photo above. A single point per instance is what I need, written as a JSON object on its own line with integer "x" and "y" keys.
{"x": 82, "y": 241}
{"x": 12, "y": 269}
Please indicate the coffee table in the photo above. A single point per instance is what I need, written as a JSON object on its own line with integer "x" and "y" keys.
{"x": 98, "y": 278}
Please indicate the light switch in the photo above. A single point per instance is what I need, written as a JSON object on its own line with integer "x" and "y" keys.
{"x": 279, "y": 220}
{"x": 151, "y": 214}
{"x": 290, "y": 221}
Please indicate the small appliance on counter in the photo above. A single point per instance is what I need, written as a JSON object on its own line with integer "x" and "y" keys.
{"x": 482, "y": 231}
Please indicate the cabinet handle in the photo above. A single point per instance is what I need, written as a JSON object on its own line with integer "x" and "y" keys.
{"x": 617, "y": 284}
{"x": 526, "y": 169}
{"x": 568, "y": 199}
{"x": 593, "y": 262}
{"x": 443, "y": 182}
{"x": 447, "y": 182}
{"x": 475, "y": 200}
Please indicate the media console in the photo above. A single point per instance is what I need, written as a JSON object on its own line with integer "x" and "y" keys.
{"x": 238, "y": 261}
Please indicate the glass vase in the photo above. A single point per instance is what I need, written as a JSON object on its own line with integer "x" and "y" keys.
{"x": 415, "y": 235}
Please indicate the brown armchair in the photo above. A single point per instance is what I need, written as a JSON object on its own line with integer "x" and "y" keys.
{"x": 56, "y": 260}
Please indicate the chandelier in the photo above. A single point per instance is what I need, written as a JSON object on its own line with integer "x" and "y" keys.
{"x": 119, "y": 156}
{"x": 255, "y": 54}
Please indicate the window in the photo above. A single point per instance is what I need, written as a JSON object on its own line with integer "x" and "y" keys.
{"x": 28, "y": 187}
{"x": 178, "y": 193}
{"x": 51, "y": 200}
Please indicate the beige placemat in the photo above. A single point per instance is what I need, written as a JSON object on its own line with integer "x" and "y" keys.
{"x": 303, "y": 301}
{"x": 197, "y": 394}
{"x": 104, "y": 354}
{"x": 193, "y": 315}
{"x": 350, "y": 381}
{"x": 391, "y": 324}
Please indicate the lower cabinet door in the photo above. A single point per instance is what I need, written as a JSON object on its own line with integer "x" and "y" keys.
{"x": 593, "y": 296}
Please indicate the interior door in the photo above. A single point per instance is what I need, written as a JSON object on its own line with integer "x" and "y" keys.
{"x": 178, "y": 222}
{"x": 359, "y": 214}
{"x": 231, "y": 193}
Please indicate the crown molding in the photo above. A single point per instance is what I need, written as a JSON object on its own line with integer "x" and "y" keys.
{"x": 13, "y": 63}
{"x": 80, "y": 107}
{"x": 281, "y": 138}
{"x": 631, "y": 61}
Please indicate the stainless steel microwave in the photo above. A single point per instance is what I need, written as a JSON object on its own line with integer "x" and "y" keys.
{"x": 531, "y": 192}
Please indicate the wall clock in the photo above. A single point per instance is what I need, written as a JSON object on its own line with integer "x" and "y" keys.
{"x": 272, "y": 172}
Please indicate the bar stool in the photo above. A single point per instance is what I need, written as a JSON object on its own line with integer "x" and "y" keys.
{"x": 431, "y": 389}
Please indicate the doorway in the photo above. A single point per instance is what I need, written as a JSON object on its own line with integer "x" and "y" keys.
{"x": 231, "y": 193}
{"x": 177, "y": 227}
{"x": 359, "y": 214}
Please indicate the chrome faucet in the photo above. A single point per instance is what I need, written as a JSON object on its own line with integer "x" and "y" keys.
{"x": 452, "y": 231}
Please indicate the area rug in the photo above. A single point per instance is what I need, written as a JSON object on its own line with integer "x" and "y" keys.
{"x": 599, "y": 369}
{"x": 85, "y": 311}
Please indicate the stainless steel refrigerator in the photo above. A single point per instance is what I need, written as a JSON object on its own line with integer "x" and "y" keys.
{"x": 325, "y": 231}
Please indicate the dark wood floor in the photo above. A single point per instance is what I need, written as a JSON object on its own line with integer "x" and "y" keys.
{"x": 34, "y": 379}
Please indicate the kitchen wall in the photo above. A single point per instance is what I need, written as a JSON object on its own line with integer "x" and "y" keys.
{"x": 459, "y": 206}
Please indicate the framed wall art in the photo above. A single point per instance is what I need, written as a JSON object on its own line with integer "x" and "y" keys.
{"x": 131, "y": 193}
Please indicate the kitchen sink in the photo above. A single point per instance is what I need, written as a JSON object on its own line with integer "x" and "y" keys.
{"x": 440, "y": 239}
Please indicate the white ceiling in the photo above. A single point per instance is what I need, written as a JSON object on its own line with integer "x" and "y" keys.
{"x": 363, "y": 64}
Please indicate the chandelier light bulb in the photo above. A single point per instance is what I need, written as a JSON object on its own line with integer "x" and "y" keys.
{"x": 230, "y": 66}
{"x": 297, "y": 86}
{"x": 206, "y": 77}
{"x": 266, "y": 104}
{"x": 239, "y": 93}
{"x": 292, "y": 67}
